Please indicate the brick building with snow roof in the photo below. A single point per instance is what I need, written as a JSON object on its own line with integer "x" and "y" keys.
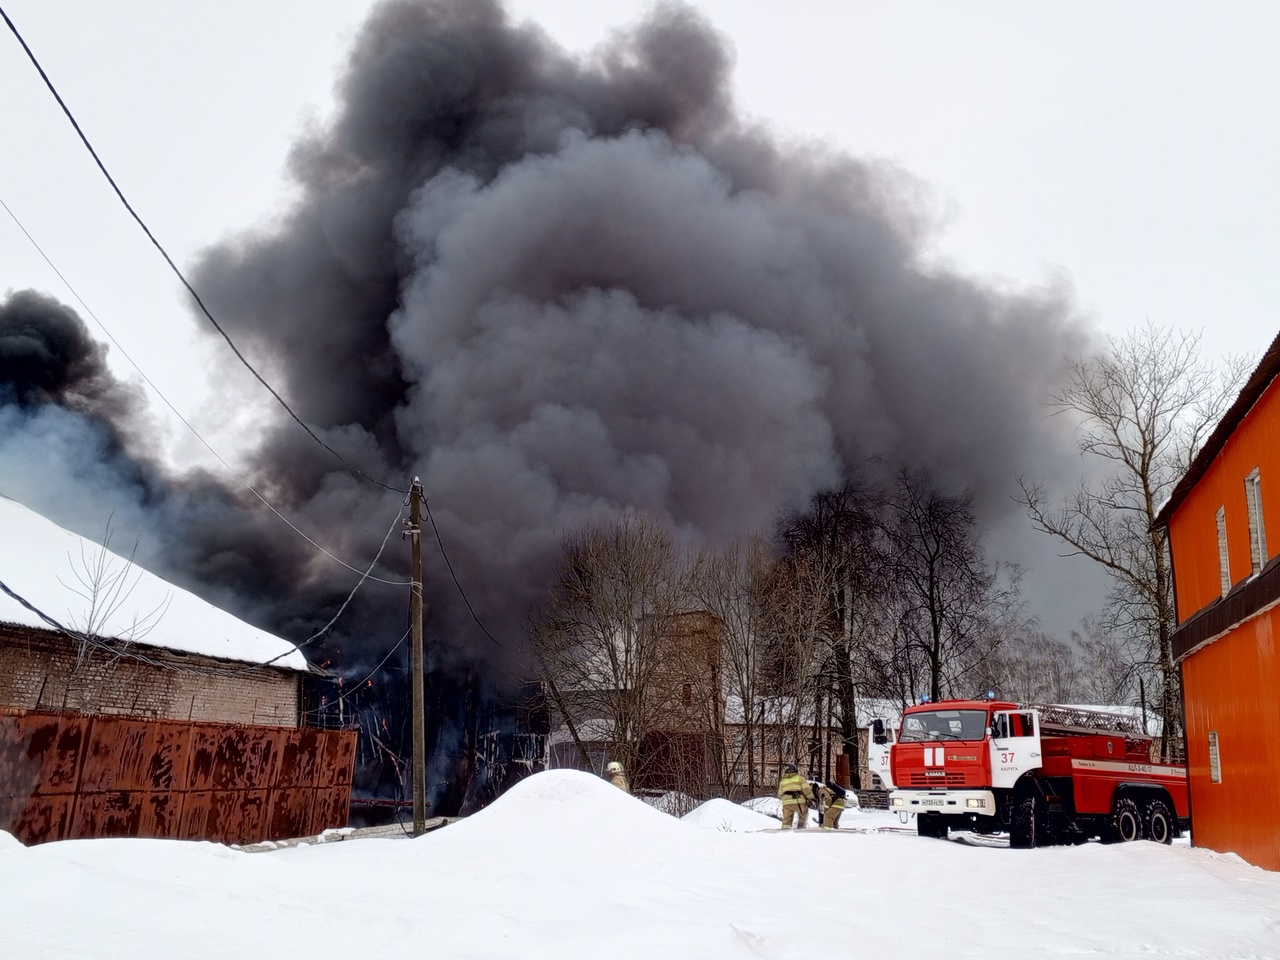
{"x": 131, "y": 707}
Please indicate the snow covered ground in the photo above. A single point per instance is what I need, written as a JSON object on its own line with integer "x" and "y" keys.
{"x": 565, "y": 866}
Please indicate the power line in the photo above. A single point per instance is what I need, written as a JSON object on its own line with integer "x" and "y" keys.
{"x": 173, "y": 266}
{"x": 205, "y": 310}
{"x": 121, "y": 652}
{"x": 361, "y": 683}
{"x": 325, "y": 629}
{"x": 196, "y": 433}
{"x": 462, "y": 593}
{"x": 365, "y": 575}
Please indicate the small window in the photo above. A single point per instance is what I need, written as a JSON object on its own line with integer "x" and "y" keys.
{"x": 1224, "y": 563}
{"x": 1257, "y": 531}
{"x": 687, "y": 693}
{"x": 1215, "y": 759}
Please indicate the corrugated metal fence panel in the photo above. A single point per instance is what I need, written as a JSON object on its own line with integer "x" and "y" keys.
{"x": 291, "y": 812}
{"x": 332, "y": 805}
{"x": 117, "y": 758}
{"x": 47, "y": 759}
{"x": 64, "y": 776}
{"x": 338, "y": 762}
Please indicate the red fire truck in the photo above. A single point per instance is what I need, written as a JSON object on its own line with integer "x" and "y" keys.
{"x": 1046, "y": 774}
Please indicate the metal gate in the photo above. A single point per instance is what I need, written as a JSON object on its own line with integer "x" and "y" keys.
{"x": 64, "y": 776}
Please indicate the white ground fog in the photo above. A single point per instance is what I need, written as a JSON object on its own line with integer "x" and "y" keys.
{"x": 566, "y": 866}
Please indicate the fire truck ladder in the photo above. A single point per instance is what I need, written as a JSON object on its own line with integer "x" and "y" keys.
{"x": 1064, "y": 719}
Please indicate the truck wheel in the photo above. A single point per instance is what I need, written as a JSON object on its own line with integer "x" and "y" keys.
{"x": 1158, "y": 821}
{"x": 1025, "y": 826}
{"x": 1126, "y": 823}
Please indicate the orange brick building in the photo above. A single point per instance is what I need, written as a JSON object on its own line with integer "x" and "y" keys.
{"x": 1223, "y": 521}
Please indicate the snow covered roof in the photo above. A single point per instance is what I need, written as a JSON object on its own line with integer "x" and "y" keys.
{"x": 49, "y": 566}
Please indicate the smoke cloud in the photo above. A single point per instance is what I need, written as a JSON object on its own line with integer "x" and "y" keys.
{"x": 557, "y": 287}
{"x": 47, "y": 357}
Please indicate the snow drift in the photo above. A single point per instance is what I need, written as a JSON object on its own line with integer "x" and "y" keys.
{"x": 566, "y": 865}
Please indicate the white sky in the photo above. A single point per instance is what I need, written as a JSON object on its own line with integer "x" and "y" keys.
{"x": 565, "y": 865}
{"x": 1128, "y": 150}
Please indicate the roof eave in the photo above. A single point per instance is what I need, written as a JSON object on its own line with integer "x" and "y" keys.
{"x": 1267, "y": 370}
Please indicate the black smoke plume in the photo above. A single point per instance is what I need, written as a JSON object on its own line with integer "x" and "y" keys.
{"x": 66, "y": 421}
{"x": 555, "y": 287}
{"x": 48, "y": 357}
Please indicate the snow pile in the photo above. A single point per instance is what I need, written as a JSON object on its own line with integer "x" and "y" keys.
{"x": 565, "y": 865}
{"x": 48, "y": 565}
{"x": 566, "y": 806}
{"x": 729, "y": 817}
{"x": 671, "y": 802}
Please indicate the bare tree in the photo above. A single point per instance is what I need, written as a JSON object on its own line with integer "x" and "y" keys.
{"x": 601, "y": 634}
{"x": 1108, "y": 674}
{"x": 795, "y": 617}
{"x": 106, "y": 583}
{"x": 729, "y": 585}
{"x": 1145, "y": 406}
{"x": 109, "y": 622}
{"x": 1036, "y": 668}
{"x": 838, "y": 543}
{"x": 954, "y": 608}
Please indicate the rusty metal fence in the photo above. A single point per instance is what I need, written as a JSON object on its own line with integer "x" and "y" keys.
{"x": 64, "y": 776}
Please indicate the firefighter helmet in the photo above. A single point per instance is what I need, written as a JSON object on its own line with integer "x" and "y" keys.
{"x": 614, "y": 767}
{"x": 791, "y": 769}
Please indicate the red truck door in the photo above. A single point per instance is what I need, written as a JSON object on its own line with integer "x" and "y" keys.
{"x": 1015, "y": 745}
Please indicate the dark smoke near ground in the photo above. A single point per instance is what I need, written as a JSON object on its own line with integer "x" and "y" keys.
{"x": 557, "y": 287}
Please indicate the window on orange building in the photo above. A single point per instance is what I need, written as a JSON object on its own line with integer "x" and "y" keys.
{"x": 1257, "y": 532}
{"x": 1224, "y": 563}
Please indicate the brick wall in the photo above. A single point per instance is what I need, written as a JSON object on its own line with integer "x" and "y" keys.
{"x": 41, "y": 670}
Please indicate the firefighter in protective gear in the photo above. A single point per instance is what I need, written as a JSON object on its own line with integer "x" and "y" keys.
{"x": 796, "y": 795}
{"x": 831, "y": 805}
{"x": 617, "y": 777}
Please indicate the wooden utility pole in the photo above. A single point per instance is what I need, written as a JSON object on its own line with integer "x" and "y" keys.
{"x": 416, "y": 666}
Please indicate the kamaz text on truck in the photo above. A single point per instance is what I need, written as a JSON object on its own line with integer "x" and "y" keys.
{"x": 1045, "y": 774}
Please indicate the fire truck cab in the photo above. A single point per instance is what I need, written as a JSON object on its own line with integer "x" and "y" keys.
{"x": 1044, "y": 773}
